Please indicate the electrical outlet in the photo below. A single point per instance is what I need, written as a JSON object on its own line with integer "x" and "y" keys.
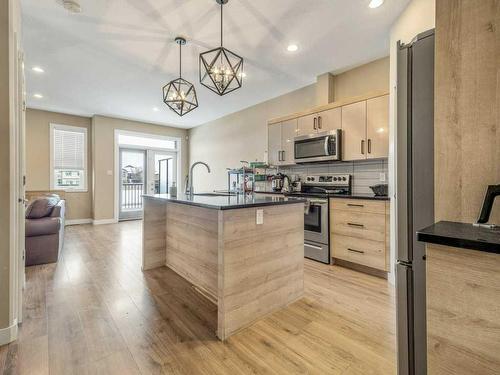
{"x": 382, "y": 177}
{"x": 259, "y": 218}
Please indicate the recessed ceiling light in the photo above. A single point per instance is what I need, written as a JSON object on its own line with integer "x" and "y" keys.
{"x": 375, "y": 3}
{"x": 37, "y": 69}
{"x": 72, "y": 6}
{"x": 292, "y": 48}
{"x": 38, "y": 96}
{"x": 156, "y": 109}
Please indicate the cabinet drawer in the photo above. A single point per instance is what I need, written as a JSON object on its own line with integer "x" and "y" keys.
{"x": 361, "y": 251}
{"x": 358, "y": 205}
{"x": 365, "y": 225}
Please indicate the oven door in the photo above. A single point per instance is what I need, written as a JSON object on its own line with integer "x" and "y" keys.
{"x": 317, "y": 147}
{"x": 316, "y": 221}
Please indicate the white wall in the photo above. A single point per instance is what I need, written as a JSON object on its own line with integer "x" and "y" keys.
{"x": 418, "y": 16}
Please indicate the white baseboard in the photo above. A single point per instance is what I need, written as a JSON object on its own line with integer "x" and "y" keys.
{"x": 105, "y": 221}
{"x": 8, "y": 334}
{"x": 78, "y": 221}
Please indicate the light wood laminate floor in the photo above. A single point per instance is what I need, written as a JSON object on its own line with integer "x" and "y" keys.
{"x": 95, "y": 312}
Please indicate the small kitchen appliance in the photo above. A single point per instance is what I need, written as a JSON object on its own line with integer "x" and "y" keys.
{"x": 277, "y": 181}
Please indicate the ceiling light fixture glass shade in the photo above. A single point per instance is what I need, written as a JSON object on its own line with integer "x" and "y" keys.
{"x": 220, "y": 69}
{"x": 180, "y": 95}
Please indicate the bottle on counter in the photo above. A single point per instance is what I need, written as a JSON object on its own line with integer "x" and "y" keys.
{"x": 173, "y": 190}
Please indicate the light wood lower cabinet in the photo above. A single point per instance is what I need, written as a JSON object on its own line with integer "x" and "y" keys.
{"x": 463, "y": 311}
{"x": 359, "y": 232}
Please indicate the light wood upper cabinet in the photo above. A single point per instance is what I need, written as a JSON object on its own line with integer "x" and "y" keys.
{"x": 288, "y": 133}
{"x": 377, "y": 127}
{"x": 274, "y": 144}
{"x": 354, "y": 131}
{"x": 281, "y": 142}
{"x": 330, "y": 120}
{"x": 364, "y": 122}
{"x": 307, "y": 125}
{"x": 320, "y": 122}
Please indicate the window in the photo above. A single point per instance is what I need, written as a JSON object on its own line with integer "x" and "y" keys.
{"x": 147, "y": 142}
{"x": 68, "y": 161}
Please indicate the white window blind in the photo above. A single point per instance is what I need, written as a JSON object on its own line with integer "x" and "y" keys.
{"x": 68, "y": 157}
{"x": 69, "y": 149}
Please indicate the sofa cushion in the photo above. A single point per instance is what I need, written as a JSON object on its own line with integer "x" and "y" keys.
{"x": 43, "y": 226}
{"x": 41, "y": 207}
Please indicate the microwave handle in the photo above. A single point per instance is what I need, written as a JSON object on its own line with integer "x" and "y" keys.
{"x": 327, "y": 139}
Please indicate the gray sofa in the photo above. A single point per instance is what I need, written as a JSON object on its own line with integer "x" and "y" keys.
{"x": 44, "y": 230}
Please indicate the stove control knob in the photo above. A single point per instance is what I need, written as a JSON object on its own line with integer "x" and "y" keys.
{"x": 344, "y": 179}
{"x": 335, "y": 179}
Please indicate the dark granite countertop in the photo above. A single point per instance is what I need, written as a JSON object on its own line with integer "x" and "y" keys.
{"x": 346, "y": 196}
{"x": 226, "y": 202}
{"x": 462, "y": 235}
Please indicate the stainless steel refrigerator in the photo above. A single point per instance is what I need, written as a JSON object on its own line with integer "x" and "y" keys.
{"x": 414, "y": 195}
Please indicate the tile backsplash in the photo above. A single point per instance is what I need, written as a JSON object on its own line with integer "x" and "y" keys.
{"x": 364, "y": 173}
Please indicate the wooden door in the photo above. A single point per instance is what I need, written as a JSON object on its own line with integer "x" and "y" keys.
{"x": 354, "y": 131}
{"x": 274, "y": 144}
{"x": 288, "y": 133}
{"x": 307, "y": 125}
{"x": 377, "y": 127}
{"x": 330, "y": 120}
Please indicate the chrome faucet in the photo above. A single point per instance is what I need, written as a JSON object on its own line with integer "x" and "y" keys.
{"x": 189, "y": 184}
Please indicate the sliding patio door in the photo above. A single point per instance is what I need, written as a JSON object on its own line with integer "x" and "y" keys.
{"x": 133, "y": 177}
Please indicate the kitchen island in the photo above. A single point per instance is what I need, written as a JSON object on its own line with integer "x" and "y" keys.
{"x": 244, "y": 253}
{"x": 463, "y": 304}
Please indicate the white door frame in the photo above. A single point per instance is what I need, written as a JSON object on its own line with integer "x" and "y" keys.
{"x": 117, "y": 160}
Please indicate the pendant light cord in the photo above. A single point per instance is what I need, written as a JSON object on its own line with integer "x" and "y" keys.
{"x": 221, "y": 5}
{"x": 180, "y": 60}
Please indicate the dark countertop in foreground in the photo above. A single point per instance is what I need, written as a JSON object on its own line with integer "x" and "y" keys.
{"x": 461, "y": 235}
{"x": 346, "y": 196}
{"x": 226, "y": 202}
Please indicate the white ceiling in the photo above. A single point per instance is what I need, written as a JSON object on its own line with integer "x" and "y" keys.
{"x": 114, "y": 57}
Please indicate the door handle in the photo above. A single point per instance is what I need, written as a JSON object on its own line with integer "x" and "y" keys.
{"x": 356, "y": 225}
{"x": 363, "y": 146}
{"x": 356, "y": 251}
{"x": 355, "y": 205}
{"x": 315, "y": 126}
{"x": 369, "y": 146}
{"x": 313, "y": 246}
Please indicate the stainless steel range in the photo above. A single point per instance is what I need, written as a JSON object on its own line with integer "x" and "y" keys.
{"x": 317, "y": 189}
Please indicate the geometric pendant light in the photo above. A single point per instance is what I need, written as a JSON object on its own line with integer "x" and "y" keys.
{"x": 220, "y": 69}
{"x": 180, "y": 95}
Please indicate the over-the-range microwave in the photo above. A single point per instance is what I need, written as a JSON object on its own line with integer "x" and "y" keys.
{"x": 318, "y": 147}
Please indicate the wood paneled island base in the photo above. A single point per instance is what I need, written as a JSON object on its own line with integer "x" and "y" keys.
{"x": 249, "y": 270}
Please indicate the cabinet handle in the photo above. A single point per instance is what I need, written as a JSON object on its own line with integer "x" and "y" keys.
{"x": 283, "y": 155}
{"x": 363, "y": 146}
{"x": 356, "y": 251}
{"x": 314, "y": 124}
{"x": 319, "y": 122}
{"x": 369, "y": 146}
{"x": 355, "y": 205}
{"x": 279, "y": 155}
{"x": 356, "y": 225}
